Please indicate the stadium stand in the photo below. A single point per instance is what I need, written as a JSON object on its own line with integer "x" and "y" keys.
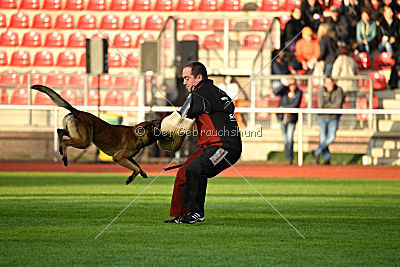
{"x": 19, "y": 20}
{"x": 260, "y": 24}
{"x": 64, "y": 21}
{"x": 3, "y": 20}
{"x": 143, "y": 36}
{"x": 87, "y": 22}
{"x": 96, "y": 5}
{"x": 230, "y": 5}
{"x": 114, "y": 59}
{"x": 291, "y": 4}
{"x": 66, "y": 59}
{"x": 185, "y": 5}
{"x": 8, "y": 4}
{"x": 270, "y": 5}
{"x": 54, "y": 39}
{"x": 9, "y": 79}
{"x": 9, "y": 38}
{"x": 219, "y": 24}
{"x": 70, "y": 95}
{"x": 31, "y": 39}
{"x": 163, "y": 5}
{"x": 41, "y": 21}
{"x": 36, "y": 78}
{"x": 52, "y": 4}
{"x": 141, "y": 5}
{"x": 20, "y": 58}
{"x": 76, "y": 39}
{"x": 3, "y": 58}
{"x": 19, "y": 97}
{"x": 29, "y": 4}
{"x": 109, "y": 22}
{"x": 213, "y": 41}
{"x": 125, "y": 80}
{"x": 154, "y": 23}
{"x": 119, "y": 5}
{"x": 132, "y": 22}
{"x": 56, "y": 79}
{"x": 3, "y": 96}
{"x": 74, "y": 5}
{"x": 208, "y": 5}
{"x": 252, "y": 41}
{"x": 383, "y": 60}
{"x": 199, "y": 25}
{"x": 122, "y": 40}
{"x": 114, "y": 98}
{"x": 42, "y": 99}
{"x": 76, "y": 81}
{"x": 43, "y": 58}
{"x": 93, "y": 98}
{"x": 132, "y": 59}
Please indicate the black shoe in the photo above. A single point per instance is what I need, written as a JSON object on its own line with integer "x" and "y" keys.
{"x": 289, "y": 162}
{"x": 174, "y": 220}
{"x": 316, "y": 158}
{"x": 327, "y": 162}
{"x": 191, "y": 217}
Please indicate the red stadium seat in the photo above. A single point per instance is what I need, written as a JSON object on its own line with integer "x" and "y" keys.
{"x": 93, "y": 98}
{"x": 31, "y": 39}
{"x": 362, "y": 103}
{"x": 20, "y": 58}
{"x": 29, "y": 4}
{"x": 3, "y": 97}
{"x": 378, "y": 80}
{"x": 56, "y": 79}
{"x": 64, "y": 21}
{"x": 35, "y": 76}
{"x": 119, "y": 5}
{"x": 77, "y": 80}
{"x": 268, "y": 101}
{"x": 132, "y": 22}
{"x": 19, "y": 20}
{"x": 154, "y": 22}
{"x": 122, "y": 40}
{"x": 383, "y": 60}
{"x": 208, "y": 5}
{"x": 41, "y": 21}
{"x": 9, "y": 38}
{"x": 125, "y": 80}
{"x": 105, "y": 82}
{"x": 338, "y": 3}
{"x": 74, "y": 5}
{"x": 181, "y": 24}
{"x": 77, "y": 39}
{"x": 3, "y": 20}
{"x": 43, "y": 58}
{"x": 54, "y": 39}
{"x": 199, "y": 25}
{"x": 101, "y": 35}
{"x": 8, "y": 4}
{"x": 190, "y": 37}
{"x": 230, "y": 5}
{"x": 42, "y": 99}
{"x": 10, "y": 79}
{"x": 141, "y": 37}
{"x": 185, "y": 5}
{"x": 363, "y": 60}
{"x": 270, "y": 5}
{"x": 3, "y": 58}
{"x": 289, "y": 5}
{"x": 134, "y": 59}
{"x": 141, "y": 5}
{"x": 82, "y": 60}
{"x": 133, "y": 101}
{"x": 87, "y": 21}
{"x": 163, "y": 5}
{"x": 219, "y": 24}
{"x": 19, "y": 97}
{"x": 114, "y": 59}
{"x": 52, "y": 4}
{"x": 213, "y": 41}
{"x": 260, "y": 24}
{"x": 66, "y": 59}
{"x": 98, "y": 5}
{"x": 252, "y": 41}
{"x": 114, "y": 98}
{"x": 284, "y": 19}
{"x": 109, "y": 22}
{"x": 70, "y": 95}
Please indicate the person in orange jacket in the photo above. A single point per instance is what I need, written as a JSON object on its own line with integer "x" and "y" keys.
{"x": 307, "y": 51}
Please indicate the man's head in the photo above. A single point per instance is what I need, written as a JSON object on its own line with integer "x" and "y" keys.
{"x": 307, "y": 33}
{"x": 296, "y": 13}
{"x": 334, "y": 13}
{"x": 193, "y": 73}
{"x": 329, "y": 84}
{"x": 292, "y": 84}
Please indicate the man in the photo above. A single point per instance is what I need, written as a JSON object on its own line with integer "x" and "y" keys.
{"x": 292, "y": 28}
{"x": 341, "y": 27}
{"x": 219, "y": 141}
{"x": 307, "y": 51}
{"x": 331, "y": 96}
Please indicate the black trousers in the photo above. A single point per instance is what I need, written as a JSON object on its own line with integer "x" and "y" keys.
{"x": 214, "y": 160}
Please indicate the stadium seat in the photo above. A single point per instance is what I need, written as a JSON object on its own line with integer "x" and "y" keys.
{"x": 56, "y": 79}
{"x": 284, "y": 19}
{"x": 252, "y": 41}
{"x": 141, "y": 5}
{"x": 19, "y": 20}
{"x": 185, "y": 5}
{"x": 101, "y": 35}
{"x": 19, "y": 97}
{"x": 105, "y": 81}
{"x": 231, "y": 5}
{"x": 74, "y": 5}
{"x": 9, "y": 38}
{"x": 3, "y": 97}
{"x": 77, "y": 80}
{"x": 163, "y": 5}
{"x": 268, "y": 101}
{"x": 219, "y": 24}
{"x": 82, "y": 60}
{"x": 54, "y": 39}
{"x": 119, "y": 5}
{"x": 36, "y": 78}
{"x": 20, "y": 58}
{"x": 43, "y": 58}
{"x": 190, "y": 37}
{"x": 41, "y": 21}
{"x": 134, "y": 59}
{"x": 133, "y": 101}
{"x": 8, "y": 4}
{"x": 42, "y": 99}
{"x": 270, "y": 5}
{"x": 76, "y": 39}
{"x": 114, "y": 98}
{"x": 64, "y": 21}
{"x": 52, "y": 4}
{"x": 132, "y": 22}
{"x": 260, "y": 24}
{"x": 154, "y": 22}
{"x": 93, "y": 98}
{"x": 208, "y": 5}
{"x": 125, "y": 80}
{"x": 109, "y": 22}
{"x": 66, "y": 59}
{"x": 363, "y": 103}
{"x": 87, "y": 22}
{"x": 3, "y": 20}
{"x": 114, "y": 59}
{"x": 141, "y": 37}
{"x": 3, "y": 58}
{"x": 363, "y": 60}
{"x": 199, "y": 25}
{"x": 122, "y": 40}
{"x": 213, "y": 41}
{"x": 9, "y": 79}
{"x": 289, "y": 5}
{"x": 383, "y": 60}
{"x": 378, "y": 80}
{"x": 338, "y": 3}
{"x": 29, "y": 4}
{"x": 70, "y": 95}
{"x": 181, "y": 24}
{"x": 97, "y": 5}
{"x": 31, "y": 39}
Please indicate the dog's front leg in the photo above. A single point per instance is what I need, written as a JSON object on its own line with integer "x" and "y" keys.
{"x": 124, "y": 162}
{"x": 142, "y": 173}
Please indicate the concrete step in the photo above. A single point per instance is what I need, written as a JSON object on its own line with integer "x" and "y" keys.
{"x": 388, "y": 126}
{"x": 391, "y": 103}
{"x": 379, "y": 152}
{"x": 368, "y": 160}
{"x": 387, "y": 144}
{"x": 397, "y": 96}
{"x": 395, "y": 117}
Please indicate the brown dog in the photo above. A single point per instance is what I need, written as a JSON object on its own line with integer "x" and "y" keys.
{"x": 120, "y": 142}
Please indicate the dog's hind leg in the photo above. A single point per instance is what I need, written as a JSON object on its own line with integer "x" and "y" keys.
{"x": 141, "y": 171}
{"x": 124, "y": 162}
{"x": 80, "y": 137}
{"x": 61, "y": 133}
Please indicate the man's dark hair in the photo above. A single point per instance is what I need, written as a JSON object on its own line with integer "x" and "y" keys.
{"x": 197, "y": 68}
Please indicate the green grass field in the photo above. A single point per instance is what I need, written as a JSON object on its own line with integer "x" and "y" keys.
{"x": 52, "y": 219}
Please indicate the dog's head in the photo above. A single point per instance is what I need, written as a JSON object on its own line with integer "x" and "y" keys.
{"x": 150, "y": 131}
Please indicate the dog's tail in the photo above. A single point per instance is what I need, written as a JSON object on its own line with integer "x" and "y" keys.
{"x": 57, "y": 99}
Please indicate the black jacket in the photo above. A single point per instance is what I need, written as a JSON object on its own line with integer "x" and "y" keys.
{"x": 307, "y": 11}
{"x": 292, "y": 28}
{"x": 391, "y": 31}
{"x": 332, "y": 100}
{"x": 342, "y": 29}
{"x": 328, "y": 48}
{"x": 286, "y": 102}
{"x": 213, "y": 111}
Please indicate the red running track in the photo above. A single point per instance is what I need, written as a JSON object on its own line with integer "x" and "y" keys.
{"x": 247, "y": 170}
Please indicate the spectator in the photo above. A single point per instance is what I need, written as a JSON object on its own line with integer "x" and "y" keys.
{"x": 328, "y": 47}
{"x": 388, "y": 31}
{"x": 290, "y": 98}
{"x": 279, "y": 67}
{"x": 307, "y": 51}
{"x": 366, "y": 32}
{"x": 341, "y": 27}
{"x": 395, "y": 6}
{"x": 331, "y": 96}
{"x": 351, "y": 9}
{"x": 292, "y": 29}
{"x": 375, "y": 6}
{"x": 311, "y": 11}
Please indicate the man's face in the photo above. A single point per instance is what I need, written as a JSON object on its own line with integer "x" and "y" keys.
{"x": 329, "y": 85}
{"x": 189, "y": 81}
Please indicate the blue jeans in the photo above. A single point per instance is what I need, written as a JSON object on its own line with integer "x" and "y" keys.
{"x": 327, "y": 134}
{"x": 287, "y": 136}
{"x": 385, "y": 47}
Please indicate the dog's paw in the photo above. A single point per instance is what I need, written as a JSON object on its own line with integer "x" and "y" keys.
{"x": 65, "y": 160}
{"x": 130, "y": 179}
{"x": 143, "y": 174}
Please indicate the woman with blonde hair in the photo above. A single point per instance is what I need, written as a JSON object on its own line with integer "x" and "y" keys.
{"x": 328, "y": 47}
